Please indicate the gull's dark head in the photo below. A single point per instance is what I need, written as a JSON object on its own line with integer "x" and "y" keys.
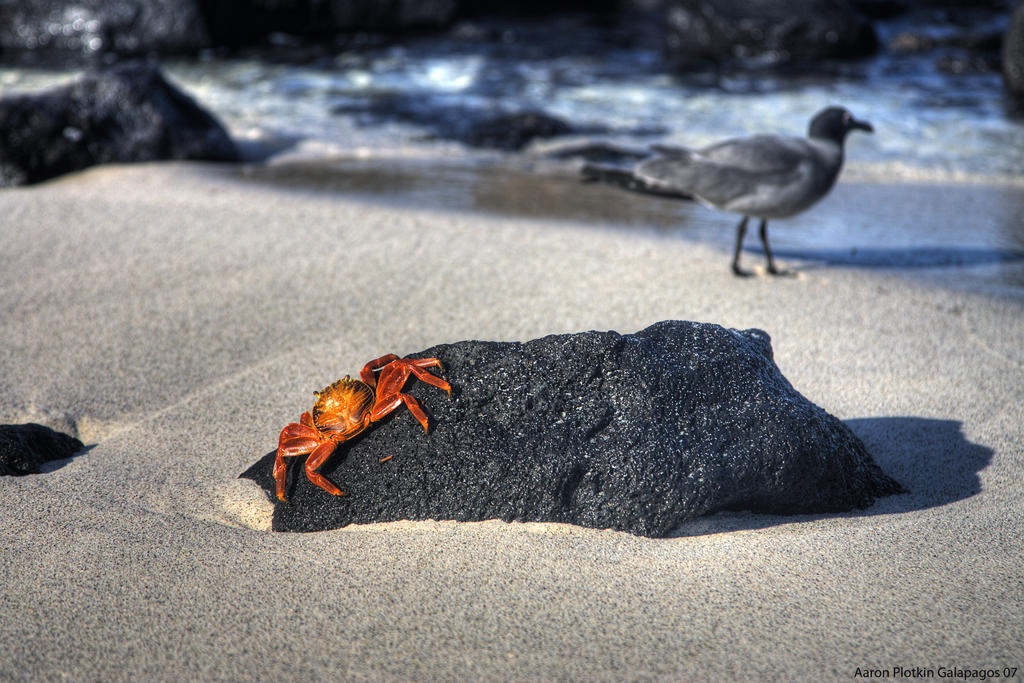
{"x": 834, "y": 123}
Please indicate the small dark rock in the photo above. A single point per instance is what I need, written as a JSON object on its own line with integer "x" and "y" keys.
{"x": 123, "y": 113}
{"x": 474, "y": 126}
{"x": 25, "y": 447}
{"x": 637, "y": 432}
{"x": 64, "y": 30}
{"x": 776, "y": 31}
{"x": 514, "y": 130}
{"x": 1013, "y": 54}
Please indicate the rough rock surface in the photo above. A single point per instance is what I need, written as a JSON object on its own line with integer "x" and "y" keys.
{"x": 780, "y": 31}
{"x": 66, "y": 30}
{"x": 25, "y": 447}
{"x": 636, "y": 432}
{"x": 123, "y": 113}
{"x": 91, "y": 28}
{"x": 1013, "y": 54}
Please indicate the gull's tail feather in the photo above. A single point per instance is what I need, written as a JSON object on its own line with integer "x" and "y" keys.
{"x": 623, "y": 177}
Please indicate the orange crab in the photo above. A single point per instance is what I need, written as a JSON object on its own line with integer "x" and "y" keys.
{"x": 347, "y": 408}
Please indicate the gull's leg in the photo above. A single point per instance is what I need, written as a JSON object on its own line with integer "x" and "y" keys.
{"x": 763, "y": 231}
{"x": 741, "y": 230}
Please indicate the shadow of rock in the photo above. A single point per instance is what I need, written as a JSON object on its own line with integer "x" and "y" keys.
{"x": 931, "y": 458}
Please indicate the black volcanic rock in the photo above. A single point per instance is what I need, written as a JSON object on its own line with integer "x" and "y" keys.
{"x": 92, "y": 28}
{"x": 1013, "y": 54}
{"x": 636, "y": 432}
{"x": 781, "y": 31}
{"x": 124, "y": 113}
{"x": 475, "y": 126}
{"x": 25, "y": 447}
{"x": 514, "y": 130}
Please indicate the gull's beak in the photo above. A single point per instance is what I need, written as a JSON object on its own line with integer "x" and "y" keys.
{"x": 856, "y": 124}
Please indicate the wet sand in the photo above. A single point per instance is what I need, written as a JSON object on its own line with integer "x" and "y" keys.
{"x": 174, "y": 317}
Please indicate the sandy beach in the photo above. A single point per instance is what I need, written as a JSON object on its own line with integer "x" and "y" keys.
{"x": 174, "y": 317}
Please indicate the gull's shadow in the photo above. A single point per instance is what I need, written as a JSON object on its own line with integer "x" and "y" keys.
{"x": 932, "y": 459}
{"x": 896, "y": 257}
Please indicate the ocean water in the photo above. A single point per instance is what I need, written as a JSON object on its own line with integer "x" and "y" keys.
{"x": 938, "y": 117}
{"x": 930, "y": 122}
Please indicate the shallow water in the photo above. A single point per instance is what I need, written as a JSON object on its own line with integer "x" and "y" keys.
{"x": 315, "y": 112}
{"x": 929, "y": 123}
{"x": 969, "y": 234}
{"x": 320, "y": 101}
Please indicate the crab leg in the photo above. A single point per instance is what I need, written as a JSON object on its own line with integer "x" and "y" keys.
{"x": 280, "y": 474}
{"x": 366, "y": 374}
{"x": 395, "y": 374}
{"x": 423, "y": 362}
{"x": 298, "y": 439}
{"x": 317, "y": 458}
{"x": 430, "y": 379}
{"x": 295, "y": 439}
{"x": 386, "y": 405}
